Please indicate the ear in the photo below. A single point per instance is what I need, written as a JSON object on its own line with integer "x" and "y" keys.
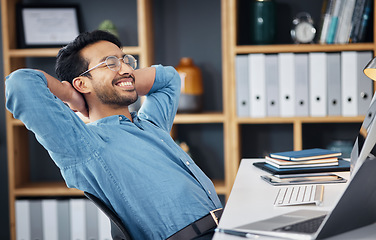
{"x": 81, "y": 84}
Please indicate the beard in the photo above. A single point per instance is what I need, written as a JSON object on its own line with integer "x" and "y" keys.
{"x": 112, "y": 97}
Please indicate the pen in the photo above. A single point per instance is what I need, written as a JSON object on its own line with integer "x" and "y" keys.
{"x": 237, "y": 233}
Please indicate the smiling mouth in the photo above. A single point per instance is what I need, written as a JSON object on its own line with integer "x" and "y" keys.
{"x": 124, "y": 84}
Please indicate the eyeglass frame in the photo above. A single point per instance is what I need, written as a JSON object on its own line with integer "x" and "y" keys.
{"x": 105, "y": 61}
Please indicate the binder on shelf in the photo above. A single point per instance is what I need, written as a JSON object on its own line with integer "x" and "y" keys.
{"x": 317, "y": 84}
{"x": 104, "y": 229}
{"x": 334, "y": 83}
{"x": 301, "y": 85}
{"x": 91, "y": 220}
{"x": 77, "y": 219}
{"x": 63, "y": 219}
{"x": 286, "y": 77}
{"x": 36, "y": 219}
{"x": 257, "y": 94}
{"x": 22, "y": 209}
{"x": 272, "y": 83}
{"x": 365, "y": 84}
{"x": 349, "y": 83}
{"x": 50, "y": 224}
{"x": 242, "y": 86}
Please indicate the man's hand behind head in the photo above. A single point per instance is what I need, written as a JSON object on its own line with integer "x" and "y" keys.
{"x": 76, "y": 102}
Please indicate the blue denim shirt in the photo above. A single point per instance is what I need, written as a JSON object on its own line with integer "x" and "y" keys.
{"x": 134, "y": 167}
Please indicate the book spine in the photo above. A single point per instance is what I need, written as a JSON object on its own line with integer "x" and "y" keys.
{"x": 357, "y": 20}
{"x": 365, "y": 20}
{"x": 334, "y": 22}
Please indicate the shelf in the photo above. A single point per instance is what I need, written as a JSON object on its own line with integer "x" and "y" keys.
{"x": 52, "y": 52}
{"x": 303, "y": 48}
{"x": 46, "y": 189}
{"x": 298, "y": 120}
{"x": 197, "y": 118}
{"x": 220, "y": 187}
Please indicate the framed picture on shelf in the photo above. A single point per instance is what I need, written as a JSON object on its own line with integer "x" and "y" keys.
{"x": 41, "y": 26}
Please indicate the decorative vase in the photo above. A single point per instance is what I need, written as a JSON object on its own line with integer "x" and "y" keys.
{"x": 191, "y": 86}
{"x": 263, "y": 22}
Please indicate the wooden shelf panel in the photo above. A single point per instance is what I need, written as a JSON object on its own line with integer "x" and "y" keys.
{"x": 303, "y": 48}
{"x": 287, "y": 120}
{"x": 46, "y": 189}
{"x": 199, "y": 118}
{"x": 220, "y": 187}
{"x": 52, "y": 52}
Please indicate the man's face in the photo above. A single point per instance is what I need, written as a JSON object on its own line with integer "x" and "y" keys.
{"x": 114, "y": 88}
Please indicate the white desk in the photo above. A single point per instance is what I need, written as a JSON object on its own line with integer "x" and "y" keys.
{"x": 252, "y": 199}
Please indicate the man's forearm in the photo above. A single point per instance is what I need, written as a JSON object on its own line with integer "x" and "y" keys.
{"x": 66, "y": 93}
{"x": 144, "y": 80}
{"x": 59, "y": 89}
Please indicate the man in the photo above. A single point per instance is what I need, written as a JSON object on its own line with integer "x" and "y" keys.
{"x": 127, "y": 159}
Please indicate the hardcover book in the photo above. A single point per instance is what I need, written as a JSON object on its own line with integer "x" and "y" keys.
{"x": 306, "y": 163}
{"x": 343, "y": 165}
{"x": 307, "y": 154}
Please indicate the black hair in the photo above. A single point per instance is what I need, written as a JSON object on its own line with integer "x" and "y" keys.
{"x": 69, "y": 62}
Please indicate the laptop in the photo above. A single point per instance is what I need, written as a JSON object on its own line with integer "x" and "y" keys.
{"x": 356, "y": 207}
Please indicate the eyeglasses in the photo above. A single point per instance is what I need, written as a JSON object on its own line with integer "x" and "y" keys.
{"x": 114, "y": 64}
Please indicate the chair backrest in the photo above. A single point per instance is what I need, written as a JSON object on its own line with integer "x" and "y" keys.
{"x": 118, "y": 230}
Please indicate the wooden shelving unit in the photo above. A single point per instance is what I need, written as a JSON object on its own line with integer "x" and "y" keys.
{"x": 231, "y": 49}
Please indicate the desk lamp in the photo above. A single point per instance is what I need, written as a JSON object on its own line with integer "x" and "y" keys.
{"x": 370, "y": 69}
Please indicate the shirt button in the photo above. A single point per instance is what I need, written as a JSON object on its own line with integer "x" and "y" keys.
{"x": 120, "y": 118}
{"x": 187, "y": 163}
{"x": 209, "y": 192}
{"x": 162, "y": 140}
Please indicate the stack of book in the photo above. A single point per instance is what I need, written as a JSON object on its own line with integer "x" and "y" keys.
{"x": 315, "y": 157}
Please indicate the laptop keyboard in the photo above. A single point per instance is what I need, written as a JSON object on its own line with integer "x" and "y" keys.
{"x": 309, "y": 226}
{"x": 299, "y": 194}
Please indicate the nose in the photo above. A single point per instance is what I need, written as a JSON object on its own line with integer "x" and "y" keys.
{"x": 125, "y": 68}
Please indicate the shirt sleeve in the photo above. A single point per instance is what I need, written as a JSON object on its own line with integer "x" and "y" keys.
{"x": 162, "y": 100}
{"x": 56, "y": 126}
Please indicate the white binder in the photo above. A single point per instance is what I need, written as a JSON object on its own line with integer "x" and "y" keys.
{"x": 349, "y": 83}
{"x": 91, "y": 220}
{"x": 49, "y": 213}
{"x": 301, "y": 85}
{"x": 22, "y": 208}
{"x": 334, "y": 83}
{"x": 286, "y": 76}
{"x": 77, "y": 219}
{"x": 242, "y": 86}
{"x": 63, "y": 219}
{"x": 272, "y": 85}
{"x": 317, "y": 84}
{"x": 365, "y": 84}
{"x": 257, "y": 94}
{"x": 104, "y": 226}
{"x": 36, "y": 219}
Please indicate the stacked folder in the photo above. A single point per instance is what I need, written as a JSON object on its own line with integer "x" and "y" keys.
{"x": 307, "y": 158}
{"x": 315, "y": 84}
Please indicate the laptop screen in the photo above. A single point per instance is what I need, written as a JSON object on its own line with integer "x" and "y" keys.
{"x": 364, "y": 146}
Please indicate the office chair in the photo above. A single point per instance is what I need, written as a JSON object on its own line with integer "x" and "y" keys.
{"x": 118, "y": 230}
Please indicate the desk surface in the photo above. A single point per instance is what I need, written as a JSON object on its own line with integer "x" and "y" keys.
{"x": 252, "y": 199}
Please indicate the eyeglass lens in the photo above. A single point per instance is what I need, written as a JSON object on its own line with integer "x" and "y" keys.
{"x": 114, "y": 63}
